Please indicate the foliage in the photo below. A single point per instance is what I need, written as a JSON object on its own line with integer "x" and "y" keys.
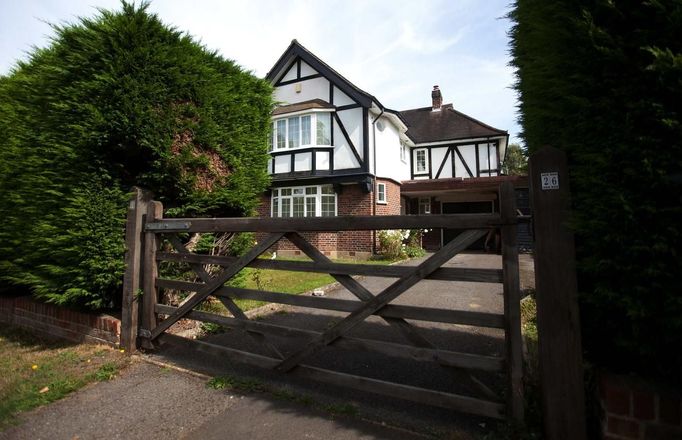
{"x": 515, "y": 161}
{"x": 119, "y": 100}
{"x": 391, "y": 243}
{"x": 603, "y": 82}
{"x": 400, "y": 244}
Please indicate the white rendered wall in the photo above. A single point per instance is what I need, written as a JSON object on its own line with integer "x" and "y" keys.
{"x": 306, "y": 70}
{"x": 343, "y": 153}
{"x": 303, "y": 162}
{"x": 341, "y": 98}
{"x": 389, "y": 164}
{"x": 316, "y": 88}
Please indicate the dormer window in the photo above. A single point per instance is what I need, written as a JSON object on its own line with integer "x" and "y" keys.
{"x": 297, "y": 131}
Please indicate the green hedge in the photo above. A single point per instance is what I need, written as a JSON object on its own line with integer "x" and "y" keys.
{"x": 603, "y": 81}
{"x": 114, "y": 101}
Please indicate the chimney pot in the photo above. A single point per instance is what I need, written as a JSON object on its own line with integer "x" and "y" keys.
{"x": 436, "y": 98}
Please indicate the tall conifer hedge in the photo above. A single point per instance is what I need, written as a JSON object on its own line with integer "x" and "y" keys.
{"x": 118, "y": 100}
{"x": 602, "y": 80}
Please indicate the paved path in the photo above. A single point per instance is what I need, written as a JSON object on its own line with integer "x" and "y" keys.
{"x": 149, "y": 402}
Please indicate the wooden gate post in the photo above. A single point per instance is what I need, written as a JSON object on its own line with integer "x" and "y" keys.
{"x": 561, "y": 367}
{"x": 132, "y": 286}
{"x": 150, "y": 273}
{"x": 512, "y": 304}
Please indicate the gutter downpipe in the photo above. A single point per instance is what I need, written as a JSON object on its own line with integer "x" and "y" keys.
{"x": 374, "y": 154}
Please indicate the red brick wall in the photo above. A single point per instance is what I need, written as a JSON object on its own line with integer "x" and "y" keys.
{"x": 59, "y": 322}
{"x": 392, "y": 205}
{"x": 636, "y": 410}
{"x": 351, "y": 201}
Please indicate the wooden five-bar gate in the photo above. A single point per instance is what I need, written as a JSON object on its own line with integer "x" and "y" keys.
{"x": 145, "y": 319}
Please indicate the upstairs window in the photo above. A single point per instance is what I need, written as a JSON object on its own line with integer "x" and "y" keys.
{"x": 297, "y": 131}
{"x": 381, "y": 193}
{"x": 421, "y": 161}
{"x": 403, "y": 152}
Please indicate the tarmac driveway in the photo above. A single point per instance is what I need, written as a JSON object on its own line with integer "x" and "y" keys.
{"x": 482, "y": 297}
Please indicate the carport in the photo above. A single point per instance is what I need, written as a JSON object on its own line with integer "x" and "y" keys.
{"x": 477, "y": 195}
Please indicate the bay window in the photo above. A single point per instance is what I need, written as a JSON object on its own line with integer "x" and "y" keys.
{"x": 304, "y": 201}
{"x": 297, "y": 131}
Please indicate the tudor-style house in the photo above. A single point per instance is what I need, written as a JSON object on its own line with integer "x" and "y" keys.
{"x": 337, "y": 150}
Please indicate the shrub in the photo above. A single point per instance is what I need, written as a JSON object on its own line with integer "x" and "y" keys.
{"x": 119, "y": 100}
{"x": 391, "y": 244}
{"x": 400, "y": 244}
{"x": 602, "y": 81}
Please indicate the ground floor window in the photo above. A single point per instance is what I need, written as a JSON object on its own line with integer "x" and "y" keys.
{"x": 381, "y": 193}
{"x": 304, "y": 201}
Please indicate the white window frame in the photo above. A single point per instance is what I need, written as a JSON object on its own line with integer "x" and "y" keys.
{"x": 381, "y": 190}
{"x": 417, "y": 170}
{"x": 300, "y": 116}
{"x": 277, "y": 195}
{"x": 426, "y": 202}
{"x": 403, "y": 152}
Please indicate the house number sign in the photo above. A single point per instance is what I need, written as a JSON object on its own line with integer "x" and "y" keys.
{"x": 550, "y": 180}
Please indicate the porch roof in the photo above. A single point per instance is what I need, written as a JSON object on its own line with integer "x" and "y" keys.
{"x": 459, "y": 184}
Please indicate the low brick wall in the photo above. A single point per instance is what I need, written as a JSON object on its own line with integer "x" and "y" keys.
{"x": 634, "y": 409}
{"x": 58, "y": 322}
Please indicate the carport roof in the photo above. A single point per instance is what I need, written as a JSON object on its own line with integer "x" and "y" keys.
{"x": 460, "y": 184}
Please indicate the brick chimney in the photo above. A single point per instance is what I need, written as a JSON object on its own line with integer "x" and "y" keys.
{"x": 436, "y": 99}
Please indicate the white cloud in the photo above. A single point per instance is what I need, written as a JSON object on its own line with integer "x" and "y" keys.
{"x": 395, "y": 50}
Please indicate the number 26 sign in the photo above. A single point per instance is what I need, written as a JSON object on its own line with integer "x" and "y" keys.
{"x": 550, "y": 180}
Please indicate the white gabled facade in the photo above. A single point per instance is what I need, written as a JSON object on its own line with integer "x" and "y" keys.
{"x": 336, "y": 150}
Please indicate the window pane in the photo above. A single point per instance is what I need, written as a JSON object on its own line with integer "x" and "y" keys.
{"x": 310, "y": 205}
{"x": 311, "y": 190}
{"x": 381, "y": 192}
{"x": 323, "y": 129}
{"x": 328, "y": 206}
{"x": 294, "y": 132}
{"x": 421, "y": 160}
{"x": 275, "y": 207}
{"x": 298, "y": 191}
{"x": 270, "y": 138}
{"x": 305, "y": 130}
{"x": 298, "y": 206}
{"x": 286, "y": 191}
{"x": 281, "y": 133}
{"x": 286, "y": 207}
{"x": 327, "y": 189}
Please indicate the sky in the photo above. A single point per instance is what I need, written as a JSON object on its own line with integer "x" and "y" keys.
{"x": 395, "y": 50}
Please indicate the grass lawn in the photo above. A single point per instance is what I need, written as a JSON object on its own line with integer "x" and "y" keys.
{"x": 34, "y": 371}
{"x": 284, "y": 281}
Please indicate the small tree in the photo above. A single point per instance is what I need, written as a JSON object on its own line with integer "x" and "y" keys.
{"x": 515, "y": 161}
